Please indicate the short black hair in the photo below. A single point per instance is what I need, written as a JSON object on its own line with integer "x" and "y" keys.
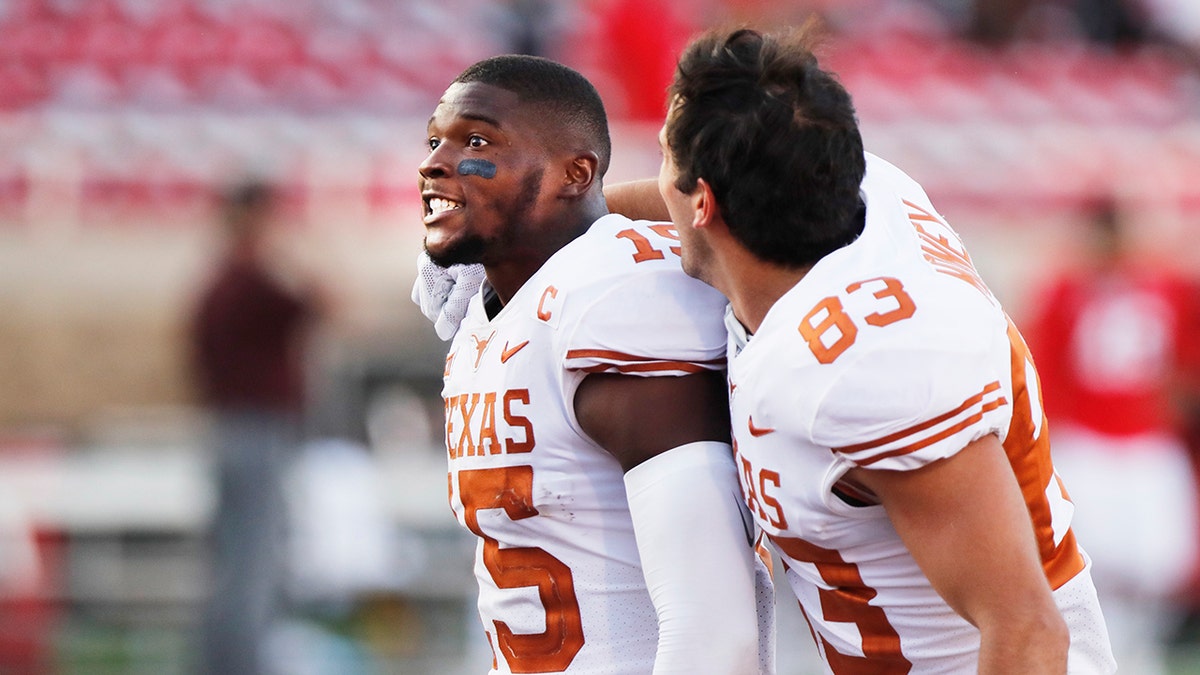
{"x": 774, "y": 135}
{"x": 559, "y": 91}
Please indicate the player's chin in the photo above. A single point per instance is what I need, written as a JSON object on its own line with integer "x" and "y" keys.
{"x": 438, "y": 249}
{"x": 447, "y": 248}
{"x": 691, "y": 268}
{"x": 701, "y": 273}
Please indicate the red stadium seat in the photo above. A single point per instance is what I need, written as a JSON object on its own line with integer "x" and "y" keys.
{"x": 115, "y": 43}
{"x": 46, "y": 41}
{"x": 188, "y": 43}
{"x": 22, "y": 85}
{"x": 262, "y": 45}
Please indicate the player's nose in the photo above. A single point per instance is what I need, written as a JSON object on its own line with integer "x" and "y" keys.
{"x": 436, "y": 163}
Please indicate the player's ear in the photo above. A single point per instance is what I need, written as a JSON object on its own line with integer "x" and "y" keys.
{"x": 704, "y": 205}
{"x": 579, "y": 174}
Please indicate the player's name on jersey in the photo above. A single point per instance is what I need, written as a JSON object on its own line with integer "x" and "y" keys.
{"x": 471, "y": 423}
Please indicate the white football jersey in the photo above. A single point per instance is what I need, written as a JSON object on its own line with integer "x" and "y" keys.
{"x": 891, "y": 353}
{"x": 561, "y": 587}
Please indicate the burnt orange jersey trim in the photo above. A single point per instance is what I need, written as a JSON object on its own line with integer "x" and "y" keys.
{"x": 943, "y": 434}
{"x": 927, "y": 424}
{"x": 613, "y": 355}
{"x": 621, "y": 362}
{"x": 654, "y": 367}
{"x": 1029, "y": 455}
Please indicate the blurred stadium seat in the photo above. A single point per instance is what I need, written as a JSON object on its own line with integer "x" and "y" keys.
{"x": 356, "y": 58}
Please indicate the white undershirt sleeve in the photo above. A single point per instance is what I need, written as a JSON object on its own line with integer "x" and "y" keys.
{"x": 693, "y": 536}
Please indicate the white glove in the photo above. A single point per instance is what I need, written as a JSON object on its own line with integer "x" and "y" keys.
{"x": 443, "y": 294}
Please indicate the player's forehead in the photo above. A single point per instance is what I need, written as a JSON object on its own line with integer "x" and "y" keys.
{"x": 477, "y": 101}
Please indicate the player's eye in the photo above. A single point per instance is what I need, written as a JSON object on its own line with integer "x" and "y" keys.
{"x": 433, "y": 143}
{"x": 476, "y": 141}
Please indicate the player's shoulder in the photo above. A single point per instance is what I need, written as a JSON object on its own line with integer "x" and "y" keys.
{"x": 866, "y": 379}
{"x": 884, "y": 316}
{"x": 619, "y": 301}
{"x": 617, "y": 251}
{"x": 883, "y": 177}
{"x": 620, "y": 273}
{"x": 907, "y": 238}
{"x": 616, "y": 244}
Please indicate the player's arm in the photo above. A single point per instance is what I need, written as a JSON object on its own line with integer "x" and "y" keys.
{"x": 966, "y": 524}
{"x": 637, "y": 200}
{"x": 671, "y": 435}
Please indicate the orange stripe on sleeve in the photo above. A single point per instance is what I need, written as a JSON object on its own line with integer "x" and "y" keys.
{"x": 620, "y": 362}
{"x": 613, "y": 355}
{"x": 658, "y": 366}
{"x": 930, "y": 440}
{"x": 928, "y": 424}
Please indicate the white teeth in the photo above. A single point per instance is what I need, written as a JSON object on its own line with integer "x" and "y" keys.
{"x": 438, "y": 205}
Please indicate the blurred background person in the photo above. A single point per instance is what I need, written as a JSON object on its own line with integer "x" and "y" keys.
{"x": 532, "y": 26}
{"x": 639, "y": 43}
{"x": 249, "y": 333}
{"x": 25, "y": 614}
{"x": 1115, "y": 336}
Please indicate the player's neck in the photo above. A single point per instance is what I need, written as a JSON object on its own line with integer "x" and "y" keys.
{"x": 755, "y": 287}
{"x": 540, "y": 243}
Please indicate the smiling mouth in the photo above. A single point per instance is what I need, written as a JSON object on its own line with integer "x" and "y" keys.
{"x": 439, "y": 205}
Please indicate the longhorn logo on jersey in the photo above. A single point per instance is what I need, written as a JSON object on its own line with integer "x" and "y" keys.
{"x": 481, "y": 345}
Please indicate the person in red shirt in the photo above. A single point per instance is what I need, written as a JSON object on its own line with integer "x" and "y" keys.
{"x": 1113, "y": 337}
{"x": 248, "y": 332}
{"x": 641, "y": 40}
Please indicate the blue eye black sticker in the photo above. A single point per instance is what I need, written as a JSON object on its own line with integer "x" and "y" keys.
{"x": 477, "y": 167}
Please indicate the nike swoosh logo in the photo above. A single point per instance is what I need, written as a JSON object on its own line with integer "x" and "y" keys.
{"x": 758, "y": 431}
{"x": 507, "y": 353}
